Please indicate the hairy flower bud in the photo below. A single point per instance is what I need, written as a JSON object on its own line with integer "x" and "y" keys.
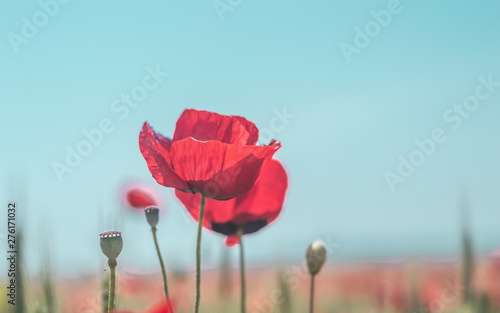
{"x": 316, "y": 256}
{"x": 152, "y": 215}
{"x": 111, "y": 244}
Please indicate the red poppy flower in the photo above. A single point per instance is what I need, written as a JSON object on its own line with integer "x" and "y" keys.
{"x": 493, "y": 276}
{"x": 430, "y": 291}
{"x": 138, "y": 196}
{"x": 212, "y": 154}
{"x": 250, "y": 212}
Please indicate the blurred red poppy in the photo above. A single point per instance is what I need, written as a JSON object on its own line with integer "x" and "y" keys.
{"x": 161, "y": 307}
{"x": 212, "y": 154}
{"x": 138, "y": 196}
{"x": 250, "y": 212}
{"x": 431, "y": 291}
{"x": 493, "y": 274}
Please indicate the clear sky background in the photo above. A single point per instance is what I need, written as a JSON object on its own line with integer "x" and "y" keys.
{"x": 351, "y": 121}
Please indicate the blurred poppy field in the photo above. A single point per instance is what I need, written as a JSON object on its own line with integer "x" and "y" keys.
{"x": 235, "y": 156}
{"x": 391, "y": 287}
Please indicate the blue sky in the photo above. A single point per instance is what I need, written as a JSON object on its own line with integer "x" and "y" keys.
{"x": 351, "y": 120}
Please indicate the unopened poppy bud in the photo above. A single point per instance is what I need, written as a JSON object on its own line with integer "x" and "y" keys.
{"x": 111, "y": 244}
{"x": 316, "y": 256}
{"x": 152, "y": 215}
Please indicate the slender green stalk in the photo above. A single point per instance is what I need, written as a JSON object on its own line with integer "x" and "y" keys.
{"x": 163, "y": 272}
{"x": 242, "y": 272}
{"x": 105, "y": 295}
{"x": 48, "y": 292}
{"x": 112, "y": 281}
{"x": 311, "y": 297}
{"x": 198, "y": 254}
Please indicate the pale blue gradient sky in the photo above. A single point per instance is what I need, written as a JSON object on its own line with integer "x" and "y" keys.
{"x": 352, "y": 121}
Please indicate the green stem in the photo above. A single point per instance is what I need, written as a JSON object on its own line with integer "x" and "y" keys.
{"x": 163, "y": 272}
{"x": 198, "y": 253}
{"x": 112, "y": 281}
{"x": 311, "y": 297}
{"x": 242, "y": 272}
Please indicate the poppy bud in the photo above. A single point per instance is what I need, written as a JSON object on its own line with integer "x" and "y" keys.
{"x": 316, "y": 256}
{"x": 152, "y": 215}
{"x": 111, "y": 244}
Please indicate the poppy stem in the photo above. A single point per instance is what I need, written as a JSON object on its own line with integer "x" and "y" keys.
{"x": 198, "y": 253}
{"x": 112, "y": 281}
{"x": 163, "y": 272}
{"x": 311, "y": 297}
{"x": 242, "y": 272}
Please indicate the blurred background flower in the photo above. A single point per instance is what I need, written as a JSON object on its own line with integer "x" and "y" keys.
{"x": 138, "y": 195}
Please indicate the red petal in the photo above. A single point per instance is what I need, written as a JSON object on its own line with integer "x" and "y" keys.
{"x": 161, "y": 307}
{"x": 139, "y": 199}
{"x": 156, "y": 151}
{"x": 218, "y": 170}
{"x": 206, "y": 126}
{"x": 231, "y": 241}
{"x": 137, "y": 195}
{"x": 263, "y": 202}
